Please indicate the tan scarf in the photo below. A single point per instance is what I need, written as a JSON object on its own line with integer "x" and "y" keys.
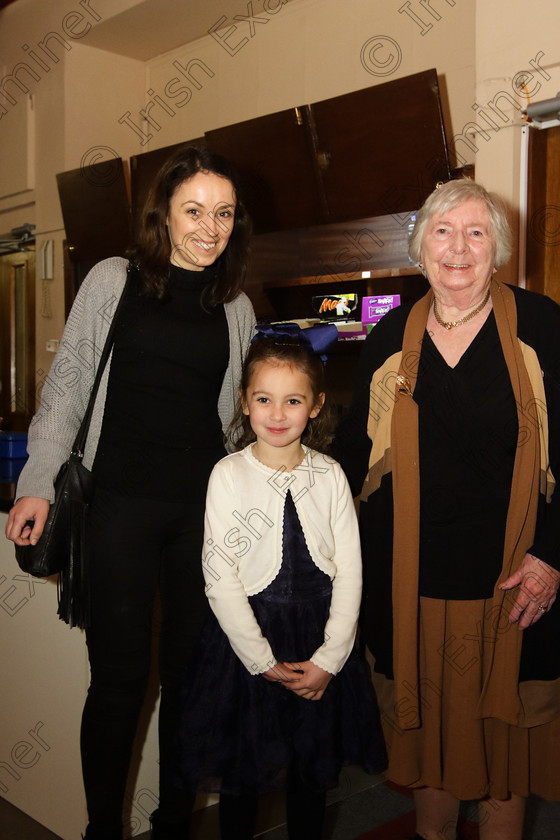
{"x": 500, "y": 696}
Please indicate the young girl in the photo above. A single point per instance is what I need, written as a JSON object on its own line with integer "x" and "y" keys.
{"x": 277, "y": 695}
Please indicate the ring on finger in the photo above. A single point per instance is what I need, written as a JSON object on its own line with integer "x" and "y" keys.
{"x": 542, "y": 608}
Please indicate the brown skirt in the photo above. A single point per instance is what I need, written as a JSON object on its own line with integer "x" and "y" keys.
{"x": 454, "y": 750}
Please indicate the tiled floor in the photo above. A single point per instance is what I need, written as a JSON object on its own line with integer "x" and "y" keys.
{"x": 360, "y": 804}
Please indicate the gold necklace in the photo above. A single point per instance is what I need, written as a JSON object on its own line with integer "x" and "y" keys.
{"x": 450, "y": 324}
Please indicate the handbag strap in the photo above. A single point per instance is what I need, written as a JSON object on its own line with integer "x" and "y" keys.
{"x": 80, "y": 441}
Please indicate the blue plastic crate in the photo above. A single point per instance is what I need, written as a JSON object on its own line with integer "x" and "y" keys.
{"x": 10, "y": 469}
{"x": 13, "y": 445}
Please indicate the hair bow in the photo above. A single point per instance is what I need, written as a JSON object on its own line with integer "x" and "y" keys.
{"x": 320, "y": 338}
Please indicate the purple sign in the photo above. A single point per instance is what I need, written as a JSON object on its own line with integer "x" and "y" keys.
{"x": 374, "y": 307}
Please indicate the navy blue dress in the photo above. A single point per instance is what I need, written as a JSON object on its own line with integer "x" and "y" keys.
{"x": 240, "y": 733}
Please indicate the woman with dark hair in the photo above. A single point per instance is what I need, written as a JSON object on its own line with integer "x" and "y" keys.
{"x": 158, "y": 243}
{"x": 166, "y": 399}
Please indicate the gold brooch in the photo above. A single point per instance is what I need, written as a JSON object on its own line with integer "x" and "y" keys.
{"x": 403, "y": 385}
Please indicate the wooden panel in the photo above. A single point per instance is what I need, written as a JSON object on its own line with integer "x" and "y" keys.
{"x": 95, "y": 210}
{"x": 385, "y": 147}
{"x": 359, "y": 245}
{"x": 285, "y": 265}
{"x": 371, "y": 276}
{"x": 274, "y": 156}
{"x": 543, "y": 213}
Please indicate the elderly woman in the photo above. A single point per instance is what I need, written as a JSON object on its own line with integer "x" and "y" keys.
{"x": 453, "y": 445}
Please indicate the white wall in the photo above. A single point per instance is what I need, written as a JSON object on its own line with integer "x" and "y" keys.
{"x": 44, "y": 679}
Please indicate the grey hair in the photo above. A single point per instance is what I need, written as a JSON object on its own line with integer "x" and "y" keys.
{"x": 449, "y": 196}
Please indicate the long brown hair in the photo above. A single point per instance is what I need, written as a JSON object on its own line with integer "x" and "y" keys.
{"x": 291, "y": 351}
{"x": 152, "y": 251}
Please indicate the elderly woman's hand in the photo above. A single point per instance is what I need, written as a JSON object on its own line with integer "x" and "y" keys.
{"x": 538, "y": 585}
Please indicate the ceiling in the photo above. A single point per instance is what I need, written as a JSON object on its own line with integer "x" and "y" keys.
{"x": 153, "y": 27}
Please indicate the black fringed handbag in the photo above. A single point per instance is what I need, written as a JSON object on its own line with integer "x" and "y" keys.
{"x": 62, "y": 547}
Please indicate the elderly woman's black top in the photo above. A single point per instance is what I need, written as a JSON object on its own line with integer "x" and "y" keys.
{"x": 467, "y": 442}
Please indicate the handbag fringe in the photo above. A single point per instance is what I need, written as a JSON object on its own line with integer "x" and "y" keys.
{"x": 73, "y": 591}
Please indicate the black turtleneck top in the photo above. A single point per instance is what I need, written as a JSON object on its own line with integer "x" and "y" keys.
{"x": 161, "y": 432}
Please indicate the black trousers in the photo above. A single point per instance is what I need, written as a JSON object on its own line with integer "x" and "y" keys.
{"x": 138, "y": 546}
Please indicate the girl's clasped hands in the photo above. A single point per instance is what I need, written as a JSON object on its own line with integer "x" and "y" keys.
{"x": 303, "y": 678}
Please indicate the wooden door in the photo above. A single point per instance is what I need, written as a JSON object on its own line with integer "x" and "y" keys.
{"x": 17, "y": 340}
{"x": 543, "y": 213}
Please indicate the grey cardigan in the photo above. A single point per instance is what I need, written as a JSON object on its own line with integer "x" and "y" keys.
{"x": 66, "y": 391}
